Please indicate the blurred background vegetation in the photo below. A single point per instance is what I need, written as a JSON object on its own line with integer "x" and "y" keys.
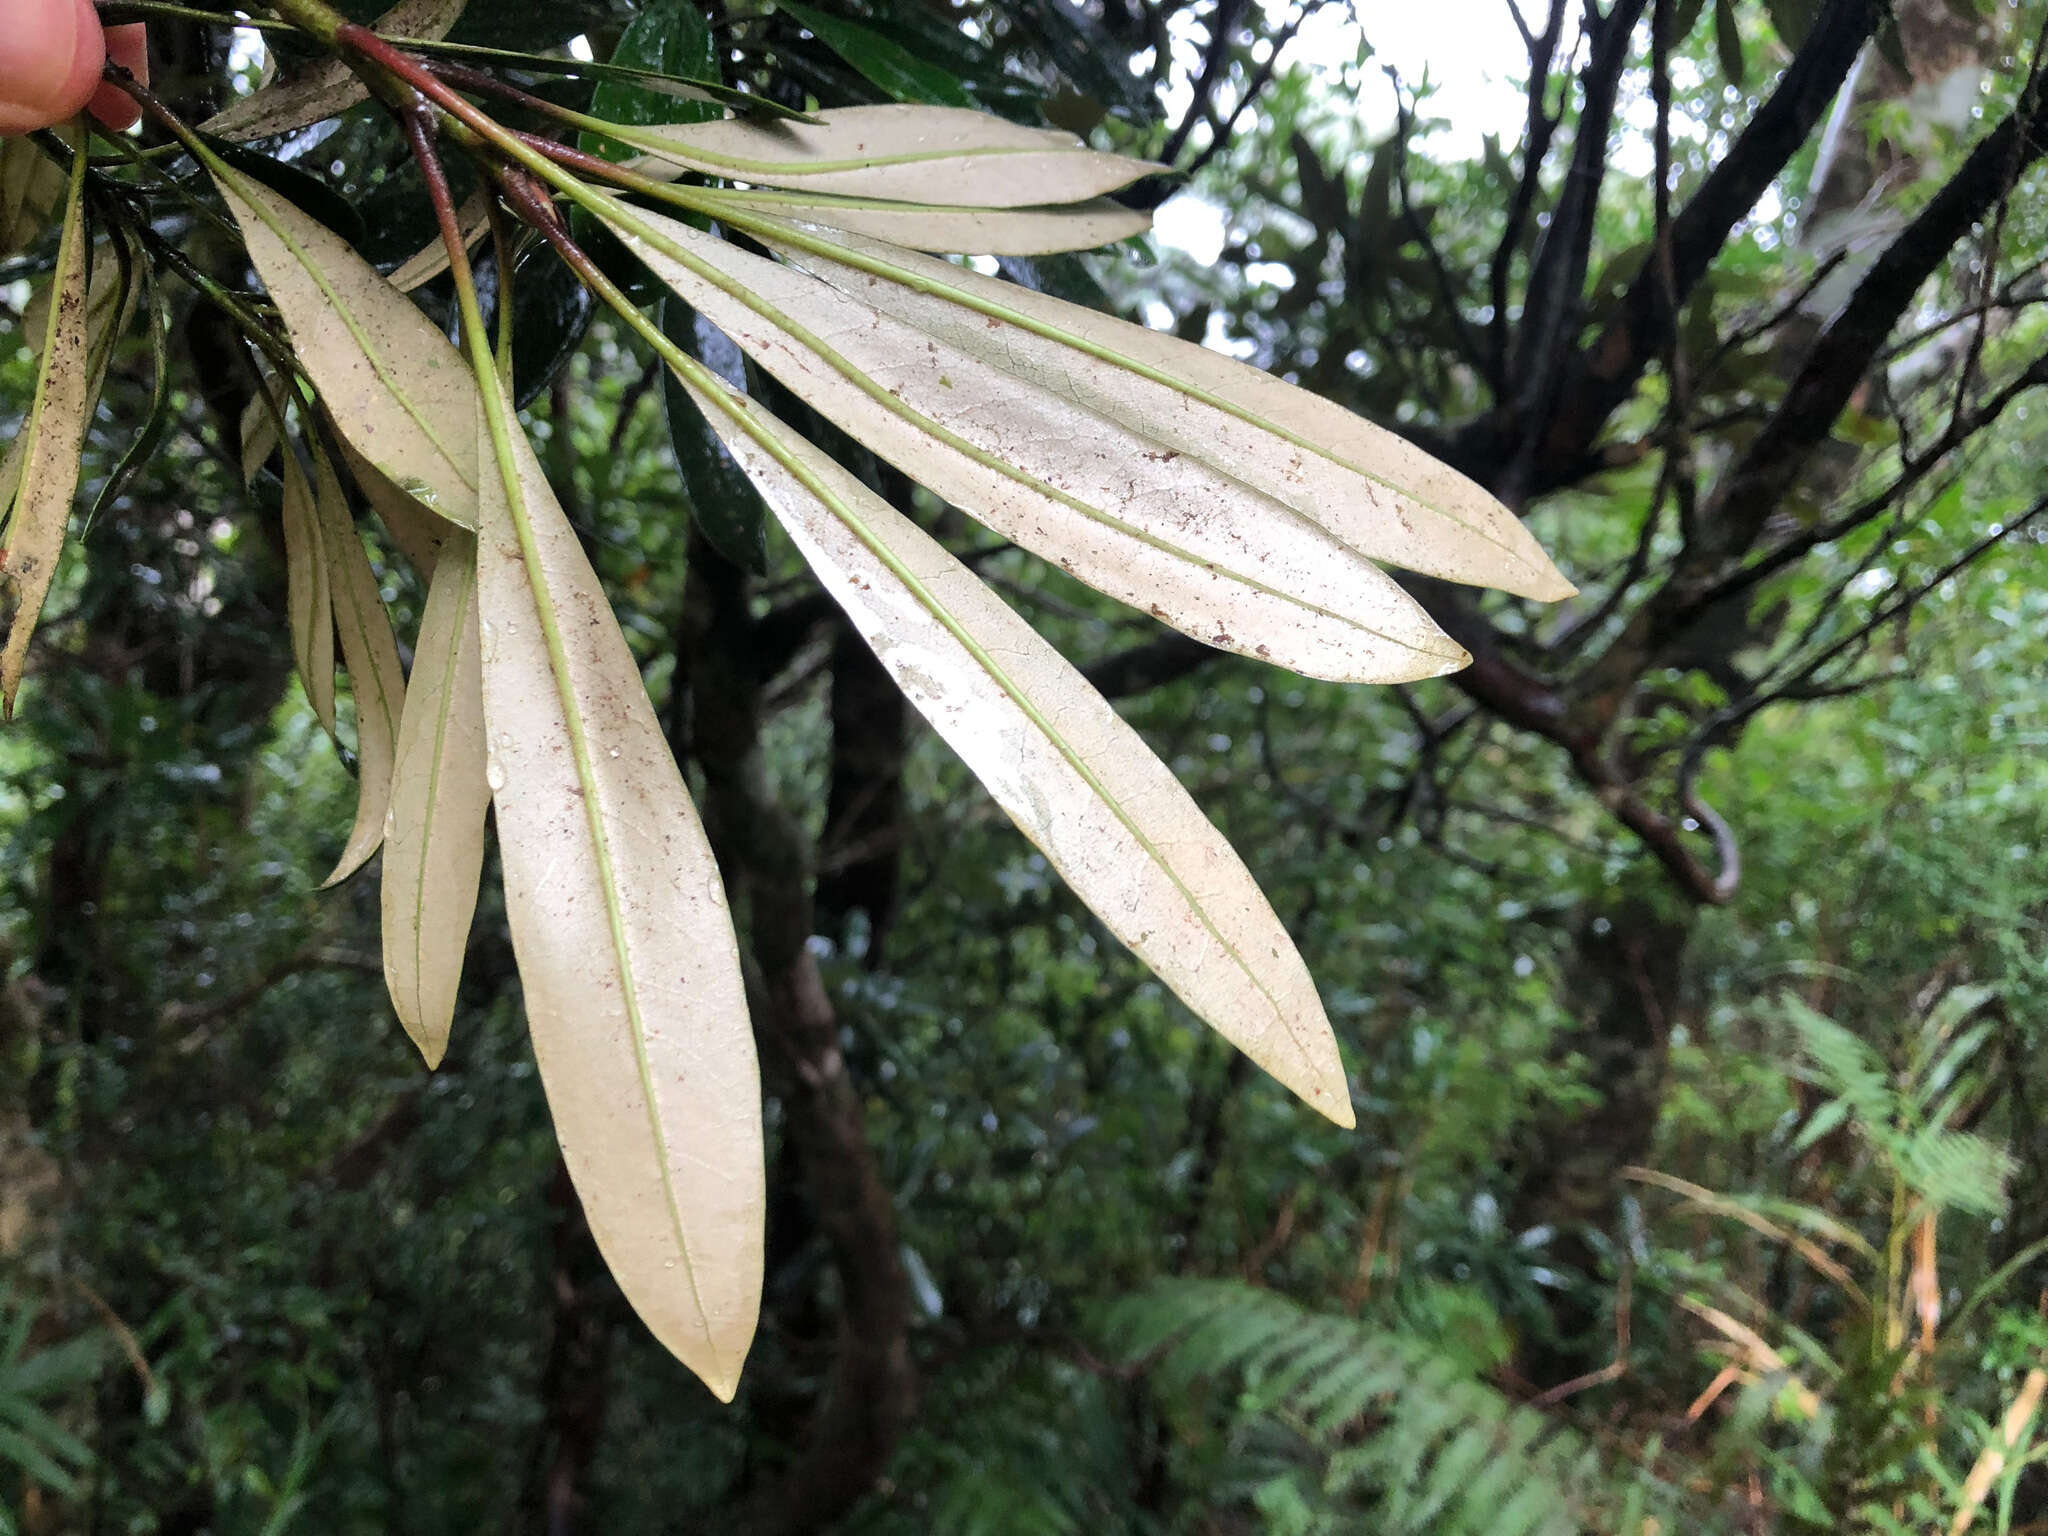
{"x": 1686, "y": 954}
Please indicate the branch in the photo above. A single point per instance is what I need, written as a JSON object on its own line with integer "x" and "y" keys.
{"x": 1845, "y": 351}
{"x": 1605, "y": 375}
{"x": 1959, "y": 431}
{"x": 196, "y": 1018}
{"x": 1153, "y": 664}
{"x": 1542, "y": 126}
{"x": 1557, "y": 283}
{"x": 766, "y": 858}
{"x": 1215, "y": 66}
{"x": 1534, "y": 704}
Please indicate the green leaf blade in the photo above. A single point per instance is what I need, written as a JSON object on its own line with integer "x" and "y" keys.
{"x": 669, "y": 38}
{"x": 880, "y": 60}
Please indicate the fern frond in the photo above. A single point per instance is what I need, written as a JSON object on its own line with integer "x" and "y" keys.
{"x": 1402, "y": 1437}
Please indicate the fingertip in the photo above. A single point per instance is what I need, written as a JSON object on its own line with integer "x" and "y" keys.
{"x": 127, "y": 47}
{"x": 113, "y": 108}
{"x": 50, "y": 57}
{"x": 88, "y": 57}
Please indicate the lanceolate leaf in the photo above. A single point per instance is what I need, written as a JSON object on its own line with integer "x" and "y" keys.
{"x": 1366, "y": 486}
{"x": 376, "y": 680}
{"x": 1147, "y": 525}
{"x": 142, "y": 447}
{"x": 936, "y": 155}
{"x": 434, "y": 830}
{"x": 977, "y": 231}
{"x": 390, "y": 381}
{"x": 327, "y": 87}
{"x": 55, "y": 433}
{"x": 313, "y": 196}
{"x": 109, "y": 306}
{"x": 1074, "y": 777}
{"x": 626, "y": 950}
{"x": 259, "y": 435}
{"x": 417, "y": 532}
{"x": 651, "y": 79}
{"x": 669, "y": 36}
{"x": 309, "y": 591}
{"x": 30, "y": 184}
{"x": 882, "y": 60}
{"x": 723, "y": 502}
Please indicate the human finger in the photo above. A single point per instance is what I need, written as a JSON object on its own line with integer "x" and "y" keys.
{"x": 127, "y": 46}
{"x": 50, "y": 57}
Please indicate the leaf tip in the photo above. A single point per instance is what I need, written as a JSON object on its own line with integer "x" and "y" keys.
{"x": 432, "y": 1047}
{"x": 723, "y": 1382}
{"x": 352, "y": 859}
{"x": 1549, "y": 585}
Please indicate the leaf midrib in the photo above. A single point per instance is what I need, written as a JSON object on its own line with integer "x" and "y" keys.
{"x": 348, "y": 318}
{"x": 868, "y": 386}
{"x": 737, "y": 407}
{"x": 762, "y": 224}
{"x": 587, "y": 781}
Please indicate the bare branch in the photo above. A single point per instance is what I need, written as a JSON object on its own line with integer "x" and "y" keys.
{"x": 1605, "y": 375}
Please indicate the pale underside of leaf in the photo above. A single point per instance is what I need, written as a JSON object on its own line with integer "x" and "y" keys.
{"x": 1150, "y": 527}
{"x": 388, "y": 378}
{"x": 473, "y": 218}
{"x": 975, "y": 231}
{"x": 370, "y": 651}
{"x": 109, "y": 305}
{"x": 434, "y": 829}
{"x": 30, "y": 185}
{"x": 10, "y": 476}
{"x": 1070, "y": 772}
{"x": 309, "y": 591}
{"x": 417, "y": 531}
{"x": 1368, "y": 487}
{"x": 259, "y": 435}
{"x": 626, "y": 952}
{"x": 327, "y": 87}
{"x": 934, "y": 155}
{"x": 58, "y": 416}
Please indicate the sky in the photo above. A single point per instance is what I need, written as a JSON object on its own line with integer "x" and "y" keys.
{"x": 1468, "y": 49}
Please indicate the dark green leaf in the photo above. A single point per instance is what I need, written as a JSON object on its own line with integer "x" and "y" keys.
{"x": 672, "y": 39}
{"x": 723, "y": 500}
{"x": 35, "y": 1461}
{"x": 1076, "y": 44}
{"x": 308, "y": 192}
{"x": 1793, "y": 19}
{"x": 889, "y": 65}
{"x": 1728, "y": 41}
{"x": 1889, "y": 43}
{"x": 550, "y": 312}
{"x": 535, "y": 26}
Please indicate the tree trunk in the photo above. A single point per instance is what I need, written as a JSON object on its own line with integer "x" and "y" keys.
{"x": 872, "y": 1393}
